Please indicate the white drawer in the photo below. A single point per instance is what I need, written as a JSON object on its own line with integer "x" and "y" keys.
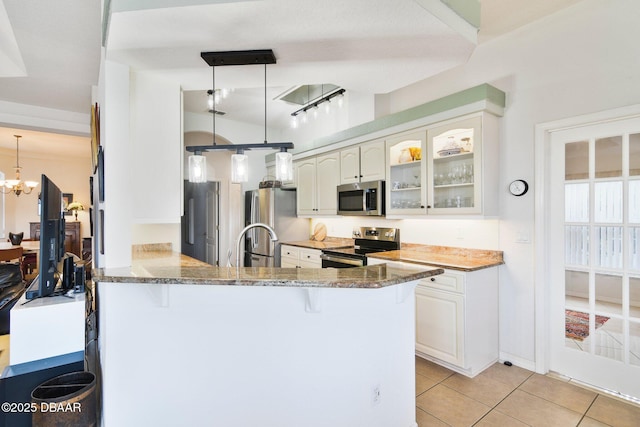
{"x": 310, "y": 255}
{"x": 449, "y": 281}
{"x": 289, "y": 252}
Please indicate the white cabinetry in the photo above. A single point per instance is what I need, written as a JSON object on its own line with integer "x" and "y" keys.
{"x": 457, "y": 318}
{"x": 458, "y": 152}
{"x": 446, "y": 168}
{"x": 295, "y": 257}
{"x": 317, "y": 179}
{"x": 362, "y": 163}
{"x": 406, "y": 174}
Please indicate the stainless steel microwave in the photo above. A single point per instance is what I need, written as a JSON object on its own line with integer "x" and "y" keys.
{"x": 361, "y": 198}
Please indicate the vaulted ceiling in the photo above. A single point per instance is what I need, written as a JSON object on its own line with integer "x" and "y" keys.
{"x": 50, "y": 50}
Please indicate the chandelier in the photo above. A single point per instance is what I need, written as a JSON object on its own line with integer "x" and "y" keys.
{"x": 239, "y": 160}
{"x": 17, "y": 186}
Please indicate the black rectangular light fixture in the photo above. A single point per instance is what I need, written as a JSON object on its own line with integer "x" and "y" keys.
{"x": 239, "y": 57}
{"x": 197, "y": 162}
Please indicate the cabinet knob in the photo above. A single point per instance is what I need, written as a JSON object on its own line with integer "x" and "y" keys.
{"x": 355, "y": 176}
{"x": 360, "y": 176}
{"x": 433, "y": 279}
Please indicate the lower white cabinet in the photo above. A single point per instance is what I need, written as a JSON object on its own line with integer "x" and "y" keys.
{"x": 296, "y": 257}
{"x": 457, "y": 319}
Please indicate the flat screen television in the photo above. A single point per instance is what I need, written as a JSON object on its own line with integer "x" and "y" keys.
{"x": 52, "y": 233}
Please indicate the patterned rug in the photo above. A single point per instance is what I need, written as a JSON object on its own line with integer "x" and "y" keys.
{"x": 577, "y": 324}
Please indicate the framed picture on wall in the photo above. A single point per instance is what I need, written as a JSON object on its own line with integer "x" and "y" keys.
{"x": 91, "y": 190}
{"x": 95, "y": 135}
{"x": 100, "y": 175}
{"x": 66, "y": 199}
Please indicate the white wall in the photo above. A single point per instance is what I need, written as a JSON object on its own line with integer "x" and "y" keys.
{"x": 256, "y": 355}
{"x": 119, "y": 187}
{"x": 464, "y": 233}
{"x": 581, "y": 60}
{"x": 70, "y": 173}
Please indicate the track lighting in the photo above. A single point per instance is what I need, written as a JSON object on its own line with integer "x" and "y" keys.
{"x": 313, "y": 106}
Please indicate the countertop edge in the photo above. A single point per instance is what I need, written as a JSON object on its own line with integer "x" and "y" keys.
{"x": 367, "y": 281}
{"x": 440, "y": 264}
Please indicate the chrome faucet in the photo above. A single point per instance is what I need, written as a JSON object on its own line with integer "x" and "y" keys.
{"x": 272, "y": 233}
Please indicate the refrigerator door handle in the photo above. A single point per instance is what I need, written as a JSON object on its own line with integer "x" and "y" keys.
{"x": 190, "y": 223}
{"x": 255, "y": 206}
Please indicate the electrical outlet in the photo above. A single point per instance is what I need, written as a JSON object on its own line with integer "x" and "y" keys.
{"x": 376, "y": 395}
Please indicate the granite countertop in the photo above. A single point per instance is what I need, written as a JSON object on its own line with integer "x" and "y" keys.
{"x": 443, "y": 256}
{"x": 328, "y": 243}
{"x": 164, "y": 266}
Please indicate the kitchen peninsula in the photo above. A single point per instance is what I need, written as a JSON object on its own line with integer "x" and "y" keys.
{"x": 185, "y": 343}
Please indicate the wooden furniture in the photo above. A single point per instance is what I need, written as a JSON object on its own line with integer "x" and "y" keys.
{"x": 11, "y": 254}
{"x": 72, "y": 236}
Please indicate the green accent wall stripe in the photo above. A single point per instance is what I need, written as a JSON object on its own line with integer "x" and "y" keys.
{"x": 469, "y": 10}
{"x": 483, "y": 92}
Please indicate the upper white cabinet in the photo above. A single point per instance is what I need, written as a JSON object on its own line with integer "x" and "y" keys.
{"x": 317, "y": 179}
{"x": 443, "y": 169}
{"x": 362, "y": 163}
{"x": 406, "y": 188}
{"x": 463, "y": 173}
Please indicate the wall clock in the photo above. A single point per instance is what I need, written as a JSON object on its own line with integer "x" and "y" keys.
{"x": 518, "y": 187}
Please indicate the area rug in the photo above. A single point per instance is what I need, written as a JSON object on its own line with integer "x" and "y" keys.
{"x": 577, "y": 324}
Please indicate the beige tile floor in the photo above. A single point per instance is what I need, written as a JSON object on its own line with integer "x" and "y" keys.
{"x": 511, "y": 396}
{"x": 500, "y": 396}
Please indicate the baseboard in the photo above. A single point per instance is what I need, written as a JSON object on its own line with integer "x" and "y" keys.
{"x": 518, "y": 361}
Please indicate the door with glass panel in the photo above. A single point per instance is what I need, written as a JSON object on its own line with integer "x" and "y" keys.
{"x": 594, "y": 262}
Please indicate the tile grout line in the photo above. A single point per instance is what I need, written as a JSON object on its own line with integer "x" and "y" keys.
{"x": 590, "y": 405}
{"x": 494, "y": 408}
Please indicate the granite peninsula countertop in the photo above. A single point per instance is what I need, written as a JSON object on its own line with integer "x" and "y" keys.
{"x": 163, "y": 266}
{"x": 450, "y": 257}
{"x": 328, "y": 243}
{"x": 453, "y": 258}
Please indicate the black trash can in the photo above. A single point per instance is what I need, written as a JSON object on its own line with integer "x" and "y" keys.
{"x": 66, "y": 400}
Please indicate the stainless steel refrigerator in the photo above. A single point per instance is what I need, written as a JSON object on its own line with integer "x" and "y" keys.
{"x": 275, "y": 207}
{"x": 200, "y": 221}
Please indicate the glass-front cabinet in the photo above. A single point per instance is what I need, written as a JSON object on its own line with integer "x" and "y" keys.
{"x": 439, "y": 169}
{"x": 406, "y": 174}
{"x": 454, "y": 167}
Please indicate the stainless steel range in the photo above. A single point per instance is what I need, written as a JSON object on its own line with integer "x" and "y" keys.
{"x": 367, "y": 240}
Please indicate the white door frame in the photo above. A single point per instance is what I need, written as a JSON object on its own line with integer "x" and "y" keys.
{"x": 542, "y": 241}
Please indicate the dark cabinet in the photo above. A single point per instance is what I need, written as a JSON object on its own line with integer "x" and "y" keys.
{"x": 72, "y": 236}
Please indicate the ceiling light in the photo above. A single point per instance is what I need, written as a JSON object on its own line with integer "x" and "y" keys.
{"x": 17, "y": 186}
{"x": 284, "y": 166}
{"x": 239, "y": 161}
{"x": 239, "y": 167}
{"x": 312, "y": 105}
{"x": 197, "y": 167}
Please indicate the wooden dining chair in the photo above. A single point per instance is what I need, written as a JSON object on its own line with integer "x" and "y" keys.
{"x": 7, "y": 255}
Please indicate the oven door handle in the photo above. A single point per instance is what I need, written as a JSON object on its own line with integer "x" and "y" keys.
{"x": 350, "y": 261}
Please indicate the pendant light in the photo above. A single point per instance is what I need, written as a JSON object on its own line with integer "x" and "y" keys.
{"x": 239, "y": 161}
